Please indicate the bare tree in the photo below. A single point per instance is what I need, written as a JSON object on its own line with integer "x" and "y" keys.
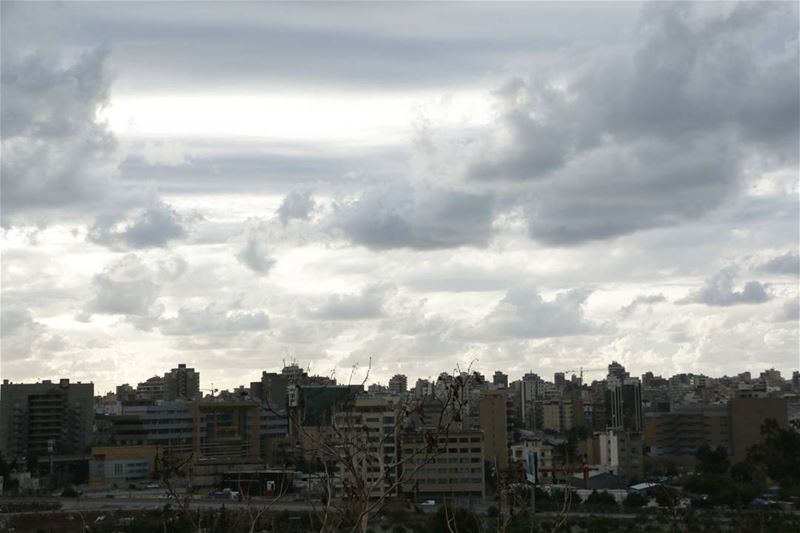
{"x": 371, "y": 464}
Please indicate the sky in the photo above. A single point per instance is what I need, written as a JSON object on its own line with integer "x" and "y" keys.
{"x": 398, "y": 188}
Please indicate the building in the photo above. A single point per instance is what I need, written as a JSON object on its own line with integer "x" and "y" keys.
{"x": 366, "y": 443}
{"x": 452, "y": 469}
{"x": 747, "y": 415}
{"x": 151, "y": 389}
{"x": 680, "y": 432}
{"x": 622, "y": 453}
{"x": 500, "y": 380}
{"x": 623, "y": 399}
{"x": 529, "y": 391}
{"x": 398, "y": 384}
{"x": 271, "y": 389}
{"x": 494, "y": 425}
{"x": 557, "y": 416}
{"x": 47, "y": 418}
{"x": 226, "y": 430}
{"x": 181, "y": 383}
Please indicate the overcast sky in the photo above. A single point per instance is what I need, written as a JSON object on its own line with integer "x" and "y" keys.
{"x": 523, "y": 186}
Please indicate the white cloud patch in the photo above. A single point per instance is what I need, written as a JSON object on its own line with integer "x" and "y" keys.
{"x": 213, "y": 320}
{"x": 719, "y": 291}
{"x": 296, "y": 205}
{"x": 127, "y": 287}
{"x": 788, "y": 263}
{"x": 367, "y": 304}
{"x": 523, "y": 313}
{"x": 647, "y": 300}
{"x": 152, "y": 227}
{"x": 255, "y": 255}
{"x": 417, "y": 217}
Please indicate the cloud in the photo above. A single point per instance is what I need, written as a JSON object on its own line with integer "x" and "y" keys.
{"x": 56, "y": 152}
{"x": 172, "y": 268}
{"x": 255, "y": 255}
{"x": 788, "y": 263}
{"x": 24, "y": 337}
{"x": 789, "y": 312}
{"x": 365, "y": 305}
{"x": 214, "y": 321}
{"x": 296, "y": 205}
{"x": 153, "y": 227}
{"x": 643, "y": 299}
{"x": 422, "y": 218}
{"x": 718, "y": 291}
{"x": 125, "y": 288}
{"x": 601, "y": 143}
{"x": 523, "y": 313}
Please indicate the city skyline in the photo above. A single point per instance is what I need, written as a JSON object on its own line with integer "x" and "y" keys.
{"x": 516, "y": 186}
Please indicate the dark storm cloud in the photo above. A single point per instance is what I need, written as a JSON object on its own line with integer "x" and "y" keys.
{"x": 296, "y": 205}
{"x": 523, "y": 313}
{"x": 154, "y": 227}
{"x": 788, "y": 263}
{"x": 365, "y": 305}
{"x": 611, "y": 144}
{"x": 719, "y": 291}
{"x": 423, "y": 218}
{"x": 55, "y": 152}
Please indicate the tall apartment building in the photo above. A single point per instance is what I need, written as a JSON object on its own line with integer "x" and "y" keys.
{"x": 181, "y": 383}
{"x": 271, "y": 390}
{"x": 398, "y": 384}
{"x": 453, "y": 470}
{"x": 38, "y": 419}
{"x": 494, "y": 424}
{"x": 623, "y": 400}
{"x": 368, "y": 433}
{"x": 529, "y": 392}
{"x": 151, "y": 389}
{"x": 500, "y": 380}
{"x": 557, "y": 416}
{"x": 621, "y": 453}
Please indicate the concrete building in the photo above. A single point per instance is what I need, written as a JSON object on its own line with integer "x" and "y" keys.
{"x": 747, "y": 415}
{"x": 151, "y": 389}
{"x": 181, "y": 383}
{"x": 368, "y": 432}
{"x": 39, "y": 419}
{"x": 622, "y": 453}
{"x": 623, "y": 399}
{"x": 557, "y": 416}
{"x": 271, "y": 389}
{"x": 680, "y": 432}
{"x": 500, "y": 380}
{"x": 398, "y": 384}
{"x": 453, "y": 470}
{"x": 494, "y": 424}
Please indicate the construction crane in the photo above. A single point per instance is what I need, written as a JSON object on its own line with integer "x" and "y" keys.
{"x": 581, "y": 369}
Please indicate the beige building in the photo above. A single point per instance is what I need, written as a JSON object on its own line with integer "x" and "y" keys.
{"x": 622, "y": 453}
{"x": 494, "y": 424}
{"x": 452, "y": 470}
{"x": 557, "y": 416}
{"x": 366, "y": 443}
